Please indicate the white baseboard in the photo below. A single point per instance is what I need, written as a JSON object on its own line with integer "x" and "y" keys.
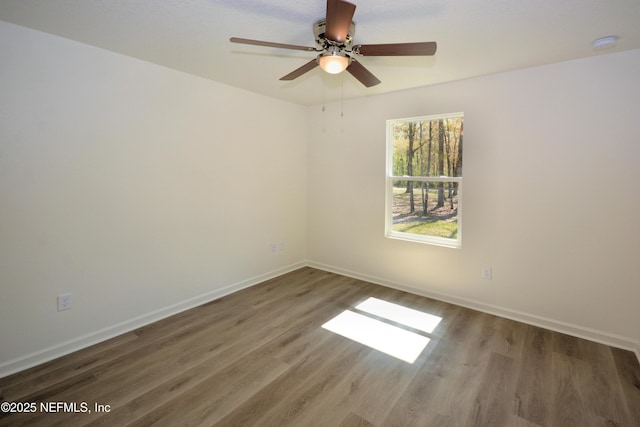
{"x": 613, "y": 340}
{"x": 67, "y": 347}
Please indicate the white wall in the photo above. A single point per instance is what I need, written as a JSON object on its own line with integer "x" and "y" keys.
{"x": 551, "y": 196}
{"x": 139, "y": 189}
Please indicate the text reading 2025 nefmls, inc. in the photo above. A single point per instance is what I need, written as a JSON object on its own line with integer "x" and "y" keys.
{"x": 53, "y": 407}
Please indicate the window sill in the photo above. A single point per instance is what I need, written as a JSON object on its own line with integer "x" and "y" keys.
{"x": 429, "y": 240}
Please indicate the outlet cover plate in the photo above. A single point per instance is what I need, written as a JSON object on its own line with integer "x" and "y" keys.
{"x": 65, "y": 301}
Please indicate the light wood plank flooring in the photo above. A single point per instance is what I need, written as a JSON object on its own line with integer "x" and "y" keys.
{"x": 260, "y": 357}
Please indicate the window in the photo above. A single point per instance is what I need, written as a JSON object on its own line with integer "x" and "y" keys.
{"x": 424, "y": 179}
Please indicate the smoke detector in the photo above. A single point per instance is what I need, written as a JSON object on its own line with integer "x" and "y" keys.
{"x": 604, "y": 42}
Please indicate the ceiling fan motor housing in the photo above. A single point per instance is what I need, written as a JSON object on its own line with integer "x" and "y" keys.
{"x": 324, "y": 44}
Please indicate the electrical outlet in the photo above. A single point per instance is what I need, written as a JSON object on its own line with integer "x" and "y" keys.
{"x": 486, "y": 273}
{"x": 65, "y": 301}
{"x": 281, "y": 246}
{"x": 274, "y": 247}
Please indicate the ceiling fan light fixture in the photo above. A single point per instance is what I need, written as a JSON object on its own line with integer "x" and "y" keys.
{"x": 333, "y": 63}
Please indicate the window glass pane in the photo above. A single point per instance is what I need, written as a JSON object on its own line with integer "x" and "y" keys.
{"x": 426, "y": 208}
{"x": 428, "y": 147}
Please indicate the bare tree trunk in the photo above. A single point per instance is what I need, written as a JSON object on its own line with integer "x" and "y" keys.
{"x": 423, "y": 194}
{"x": 447, "y": 155}
{"x": 440, "y": 163}
{"x": 426, "y": 184}
{"x": 458, "y": 166}
{"x": 410, "y": 153}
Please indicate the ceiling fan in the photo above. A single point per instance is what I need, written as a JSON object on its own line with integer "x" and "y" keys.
{"x": 334, "y": 42}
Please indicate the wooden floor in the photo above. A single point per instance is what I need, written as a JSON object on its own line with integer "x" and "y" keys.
{"x": 260, "y": 357}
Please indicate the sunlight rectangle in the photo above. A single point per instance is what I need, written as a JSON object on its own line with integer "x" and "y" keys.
{"x": 407, "y": 316}
{"x": 394, "y": 341}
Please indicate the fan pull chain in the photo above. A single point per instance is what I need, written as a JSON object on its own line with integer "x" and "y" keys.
{"x": 342, "y": 98}
{"x": 324, "y": 98}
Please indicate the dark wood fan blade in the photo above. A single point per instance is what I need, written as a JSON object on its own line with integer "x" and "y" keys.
{"x": 365, "y": 77}
{"x": 397, "y": 49}
{"x": 270, "y": 44}
{"x": 300, "y": 71}
{"x": 339, "y": 16}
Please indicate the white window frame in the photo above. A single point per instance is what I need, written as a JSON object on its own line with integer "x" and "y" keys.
{"x": 401, "y": 235}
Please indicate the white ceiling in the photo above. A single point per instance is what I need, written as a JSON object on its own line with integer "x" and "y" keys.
{"x": 474, "y": 37}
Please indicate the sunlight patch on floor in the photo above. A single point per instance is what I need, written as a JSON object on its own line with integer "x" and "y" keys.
{"x": 407, "y": 316}
{"x": 389, "y": 339}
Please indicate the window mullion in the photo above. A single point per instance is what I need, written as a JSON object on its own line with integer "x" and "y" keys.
{"x": 426, "y": 178}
